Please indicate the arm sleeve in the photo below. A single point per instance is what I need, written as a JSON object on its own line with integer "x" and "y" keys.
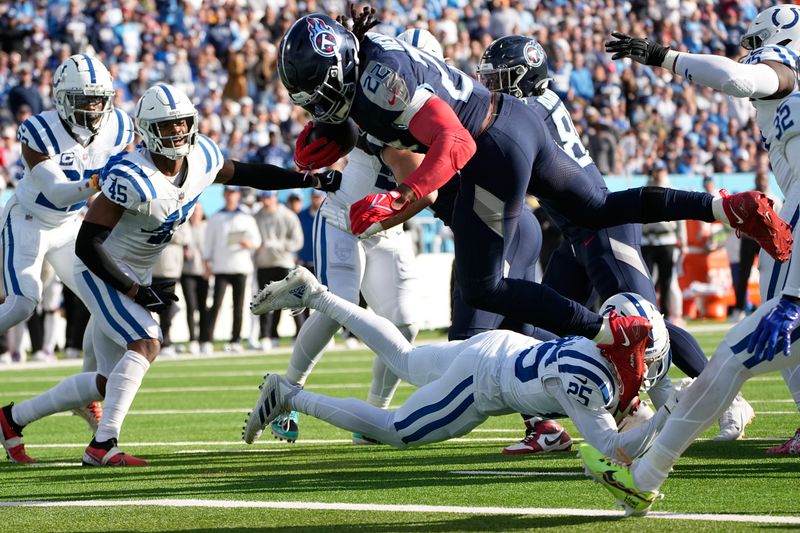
{"x": 600, "y": 430}
{"x": 268, "y": 177}
{"x": 449, "y": 144}
{"x": 89, "y": 249}
{"x": 722, "y": 74}
{"x": 54, "y": 184}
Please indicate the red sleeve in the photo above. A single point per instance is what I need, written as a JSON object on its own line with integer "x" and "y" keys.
{"x": 449, "y": 144}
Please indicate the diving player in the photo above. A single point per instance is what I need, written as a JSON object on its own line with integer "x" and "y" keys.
{"x": 407, "y": 98}
{"x": 766, "y": 340}
{"x": 145, "y": 196}
{"x": 607, "y": 261}
{"x": 462, "y": 383}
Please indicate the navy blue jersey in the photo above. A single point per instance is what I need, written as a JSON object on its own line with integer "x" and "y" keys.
{"x": 395, "y": 82}
{"x": 559, "y": 123}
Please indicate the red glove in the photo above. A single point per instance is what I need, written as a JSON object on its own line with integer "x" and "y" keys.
{"x": 373, "y": 208}
{"x": 631, "y": 335}
{"x": 319, "y": 153}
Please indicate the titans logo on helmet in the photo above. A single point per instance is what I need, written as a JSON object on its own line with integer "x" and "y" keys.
{"x": 534, "y": 54}
{"x": 322, "y": 37}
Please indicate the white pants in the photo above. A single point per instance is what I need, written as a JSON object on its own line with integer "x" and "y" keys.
{"x": 27, "y": 243}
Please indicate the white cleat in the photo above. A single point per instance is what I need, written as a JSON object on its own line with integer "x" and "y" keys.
{"x": 292, "y": 292}
{"x": 275, "y": 391}
{"x": 734, "y": 419}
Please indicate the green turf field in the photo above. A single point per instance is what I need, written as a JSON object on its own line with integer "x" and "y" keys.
{"x": 187, "y": 421}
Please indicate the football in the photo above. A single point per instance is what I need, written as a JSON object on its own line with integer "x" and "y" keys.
{"x": 345, "y": 134}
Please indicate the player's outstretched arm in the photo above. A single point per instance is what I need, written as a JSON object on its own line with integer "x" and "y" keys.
{"x": 762, "y": 80}
{"x": 269, "y": 177}
{"x": 53, "y": 183}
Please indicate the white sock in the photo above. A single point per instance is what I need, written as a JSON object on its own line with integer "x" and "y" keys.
{"x": 604, "y": 336}
{"x": 384, "y": 382}
{"x": 50, "y": 333}
{"x": 122, "y": 386}
{"x": 314, "y": 336}
{"x": 71, "y": 392}
{"x": 15, "y": 310}
{"x": 719, "y": 212}
{"x": 699, "y": 407}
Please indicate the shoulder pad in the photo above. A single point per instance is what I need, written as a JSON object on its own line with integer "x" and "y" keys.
{"x": 125, "y": 183}
{"x": 38, "y": 135}
{"x": 211, "y": 152}
{"x": 384, "y": 87}
{"x": 586, "y": 378}
{"x": 773, "y": 52}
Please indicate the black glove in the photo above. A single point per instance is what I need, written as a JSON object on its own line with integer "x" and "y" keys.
{"x": 156, "y": 298}
{"x": 640, "y": 50}
{"x": 329, "y": 181}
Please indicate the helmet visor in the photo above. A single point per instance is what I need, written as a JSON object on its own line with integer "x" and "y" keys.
{"x": 88, "y": 110}
{"x": 755, "y": 40}
{"x": 330, "y": 102}
{"x": 501, "y": 79}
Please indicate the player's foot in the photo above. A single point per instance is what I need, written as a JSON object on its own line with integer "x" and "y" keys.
{"x": 734, "y": 419}
{"x": 790, "y": 447}
{"x": 751, "y": 213}
{"x": 361, "y": 439}
{"x": 631, "y": 335}
{"x": 286, "y": 426}
{"x": 106, "y": 453}
{"x": 92, "y": 413}
{"x": 11, "y": 437}
{"x": 292, "y": 292}
{"x": 275, "y": 391}
{"x": 618, "y": 480}
{"x": 545, "y": 436}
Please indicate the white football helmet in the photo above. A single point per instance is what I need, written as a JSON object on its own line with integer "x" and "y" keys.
{"x": 422, "y": 39}
{"x": 84, "y": 93}
{"x": 777, "y": 25}
{"x": 656, "y": 355}
{"x": 165, "y": 103}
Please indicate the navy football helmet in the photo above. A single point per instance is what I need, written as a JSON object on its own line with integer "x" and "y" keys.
{"x": 318, "y": 64}
{"x": 514, "y": 65}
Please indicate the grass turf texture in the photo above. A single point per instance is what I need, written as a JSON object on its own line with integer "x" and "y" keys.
{"x": 735, "y": 477}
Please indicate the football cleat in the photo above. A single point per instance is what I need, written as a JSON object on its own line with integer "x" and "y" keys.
{"x": 275, "y": 391}
{"x": 107, "y": 454}
{"x": 545, "y": 436}
{"x": 734, "y": 419}
{"x": 790, "y": 447}
{"x": 11, "y": 438}
{"x": 292, "y": 292}
{"x": 92, "y": 413}
{"x": 286, "y": 426}
{"x": 751, "y": 213}
{"x": 631, "y": 335}
{"x": 618, "y": 480}
{"x": 361, "y": 439}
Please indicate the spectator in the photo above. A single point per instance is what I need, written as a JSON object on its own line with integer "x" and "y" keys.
{"x": 25, "y": 93}
{"x": 194, "y": 284}
{"x": 168, "y": 270}
{"x": 281, "y": 237}
{"x": 231, "y": 235}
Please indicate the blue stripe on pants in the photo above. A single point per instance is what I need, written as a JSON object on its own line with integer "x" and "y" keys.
{"x": 428, "y": 409}
{"x": 87, "y": 277}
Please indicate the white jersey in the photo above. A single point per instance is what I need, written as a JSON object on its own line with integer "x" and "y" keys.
{"x": 364, "y": 174}
{"x": 516, "y": 383}
{"x": 779, "y": 121}
{"x": 154, "y": 206}
{"x": 46, "y": 133}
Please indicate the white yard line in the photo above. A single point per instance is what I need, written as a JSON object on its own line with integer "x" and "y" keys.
{"x": 517, "y": 474}
{"x": 387, "y": 508}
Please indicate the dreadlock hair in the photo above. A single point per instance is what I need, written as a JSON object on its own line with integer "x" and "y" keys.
{"x": 359, "y": 23}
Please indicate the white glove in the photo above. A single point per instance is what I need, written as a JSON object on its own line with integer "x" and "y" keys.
{"x": 336, "y": 216}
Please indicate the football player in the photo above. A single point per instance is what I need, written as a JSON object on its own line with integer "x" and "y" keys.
{"x": 462, "y": 383}
{"x": 608, "y": 261}
{"x": 407, "y": 98}
{"x": 146, "y": 195}
{"x": 766, "y": 340}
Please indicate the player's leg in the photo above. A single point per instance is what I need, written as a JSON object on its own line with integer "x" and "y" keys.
{"x": 127, "y": 325}
{"x": 389, "y": 287}
{"x": 24, "y": 244}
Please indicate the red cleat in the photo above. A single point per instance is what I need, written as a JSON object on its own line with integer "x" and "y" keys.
{"x": 92, "y": 413}
{"x": 751, "y": 213}
{"x": 631, "y": 335}
{"x": 11, "y": 439}
{"x": 97, "y": 455}
{"x": 790, "y": 447}
{"x": 545, "y": 436}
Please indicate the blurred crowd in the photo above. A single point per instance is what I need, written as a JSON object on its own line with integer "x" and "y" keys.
{"x": 223, "y": 53}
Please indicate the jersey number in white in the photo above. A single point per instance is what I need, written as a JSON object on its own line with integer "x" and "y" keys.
{"x": 570, "y": 139}
{"x": 118, "y": 192}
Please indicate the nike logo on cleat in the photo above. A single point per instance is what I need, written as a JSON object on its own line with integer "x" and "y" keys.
{"x": 626, "y": 341}
{"x": 549, "y": 442}
{"x": 738, "y": 218}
